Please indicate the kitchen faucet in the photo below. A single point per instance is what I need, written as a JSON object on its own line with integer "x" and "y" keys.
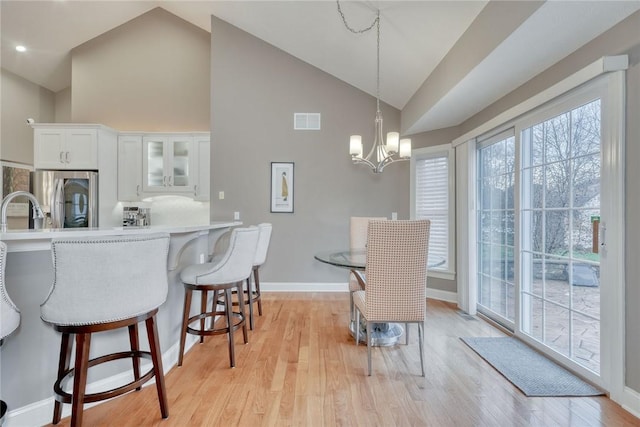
{"x": 38, "y": 216}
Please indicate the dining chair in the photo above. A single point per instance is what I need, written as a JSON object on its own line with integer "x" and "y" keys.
{"x": 357, "y": 240}
{"x": 395, "y": 278}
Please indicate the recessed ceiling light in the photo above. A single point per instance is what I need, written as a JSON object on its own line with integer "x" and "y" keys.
{"x": 21, "y": 48}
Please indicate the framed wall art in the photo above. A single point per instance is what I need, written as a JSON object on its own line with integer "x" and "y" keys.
{"x": 282, "y": 187}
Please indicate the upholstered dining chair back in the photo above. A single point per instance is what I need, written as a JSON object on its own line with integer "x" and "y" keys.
{"x": 396, "y": 270}
{"x": 263, "y": 243}
{"x": 100, "y": 280}
{"x": 9, "y": 313}
{"x": 358, "y": 240}
{"x": 234, "y": 265}
{"x": 358, "y": 226}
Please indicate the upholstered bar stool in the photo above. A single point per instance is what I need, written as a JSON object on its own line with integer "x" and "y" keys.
{"x": 229, "y": 272}
{"x": 252, "y": 294}
{"x": 102, "y": 284}
{"x": 9, "y": 314}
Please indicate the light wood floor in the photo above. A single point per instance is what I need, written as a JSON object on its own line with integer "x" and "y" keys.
{"x": 302, "y": 368}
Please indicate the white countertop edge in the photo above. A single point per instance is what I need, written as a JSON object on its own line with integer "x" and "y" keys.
{"x": 33, "y": 240}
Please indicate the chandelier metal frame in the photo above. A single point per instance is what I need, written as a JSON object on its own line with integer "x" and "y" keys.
{"x": 384, "y": 154}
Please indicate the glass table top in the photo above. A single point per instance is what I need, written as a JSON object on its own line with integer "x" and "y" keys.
{"x": 356, "y": 258}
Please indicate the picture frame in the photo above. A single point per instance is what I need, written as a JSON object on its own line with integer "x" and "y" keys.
{"x": 282, "y": 187}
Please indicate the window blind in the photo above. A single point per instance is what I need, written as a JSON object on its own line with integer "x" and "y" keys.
{"x": 432, "y": 202}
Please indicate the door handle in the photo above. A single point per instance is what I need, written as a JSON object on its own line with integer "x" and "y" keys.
{"x": 62, "y": 157}
{"x": 195, "y": 190}
{"x": 164, "y": 180}
{"x": 138, "y": 190}
{"x": 66, "y": 157}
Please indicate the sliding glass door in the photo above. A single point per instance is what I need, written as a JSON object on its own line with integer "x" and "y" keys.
{"x": 560, "y": 215}
{"x": 549, "y": 218}
{"x": 496, "y": 228}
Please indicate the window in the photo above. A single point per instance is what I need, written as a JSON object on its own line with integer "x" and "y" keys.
{"x": 432, "y": 197}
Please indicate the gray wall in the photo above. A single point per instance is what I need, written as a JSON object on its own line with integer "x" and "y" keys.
{"x": 621, "y": 39}
{"x": 255, "y": 89}
{"x": 151, "y": 74}
{"x": 21, "y": 99}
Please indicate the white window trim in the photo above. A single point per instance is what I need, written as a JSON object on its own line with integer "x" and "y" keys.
{"x": 431, "y": 152}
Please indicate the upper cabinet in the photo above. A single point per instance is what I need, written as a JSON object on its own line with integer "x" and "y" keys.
{"x": 129, "y": 167}
{"x": 152, "y": 164}
{"x": 168, "y": 164}
{"x": 68, "y": 147}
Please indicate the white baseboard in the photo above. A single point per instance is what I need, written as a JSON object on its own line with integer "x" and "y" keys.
{"x": 303, "y": 287}
{"x": 447, "y": 296}
{"x": 631, "y": 401}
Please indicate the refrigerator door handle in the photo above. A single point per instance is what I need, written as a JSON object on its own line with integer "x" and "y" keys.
{"x": 57, "y": 204}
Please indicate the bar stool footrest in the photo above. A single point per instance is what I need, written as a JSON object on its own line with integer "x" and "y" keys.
{"x": 215, "y": 331}
{"x": 64, "y": 397}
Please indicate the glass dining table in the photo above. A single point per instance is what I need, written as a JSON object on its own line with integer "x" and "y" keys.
{"x": 383, "y": 334}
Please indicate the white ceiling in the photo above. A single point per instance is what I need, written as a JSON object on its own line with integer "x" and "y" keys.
{"x": 415, "y": 37}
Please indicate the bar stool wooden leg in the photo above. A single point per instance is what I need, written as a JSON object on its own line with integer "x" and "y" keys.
{"x": 228, "y": 307}
{"x": 257, "y": 282}
{"x": 133, "y": 341}
{"x": 250, "y": 300}
{"x": 156, "y": 356}
{"x": 66, "y": 346}
{"x": 83, "y": 342}
{"x": 203, "y": 309}
{"x": 241, "y": 307}
{"x": 185, "y": 322}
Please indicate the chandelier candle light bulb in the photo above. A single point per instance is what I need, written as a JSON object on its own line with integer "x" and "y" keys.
{"x": 392, "y": 142}
{"x": 355, "y": 146}
{"x": 405, "y": 148}
{"x": 384, "y": 153}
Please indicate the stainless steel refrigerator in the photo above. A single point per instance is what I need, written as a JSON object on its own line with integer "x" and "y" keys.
{"x": 68, "y": 199}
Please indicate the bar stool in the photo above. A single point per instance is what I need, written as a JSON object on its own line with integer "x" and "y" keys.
{"x": 229, "y": 272}
{"x": 9, "y": 314}
{"x": 101, "y": 284}
{"x": 253, "y": 295}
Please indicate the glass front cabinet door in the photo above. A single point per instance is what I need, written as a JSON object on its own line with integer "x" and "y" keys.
{"x": 168, "y": 164}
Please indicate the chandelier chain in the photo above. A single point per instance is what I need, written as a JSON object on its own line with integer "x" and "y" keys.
{"x": 364, "y": 30}
{"x": 375, "y": 22}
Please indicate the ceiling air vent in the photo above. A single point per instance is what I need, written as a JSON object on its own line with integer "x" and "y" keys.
{"x": 306, "y": 121}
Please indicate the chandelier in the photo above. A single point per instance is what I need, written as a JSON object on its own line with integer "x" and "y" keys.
{"x": 381, "y": 154}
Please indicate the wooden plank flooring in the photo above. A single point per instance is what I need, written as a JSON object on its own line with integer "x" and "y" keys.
{"x": 302, "y": 368}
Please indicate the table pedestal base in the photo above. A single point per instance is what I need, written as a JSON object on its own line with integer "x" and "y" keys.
{"x": 383, "y": 334}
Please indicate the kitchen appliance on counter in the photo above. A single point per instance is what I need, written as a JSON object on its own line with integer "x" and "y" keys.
{"x": 68, "y": 199}
{"x": 134, "y": 216}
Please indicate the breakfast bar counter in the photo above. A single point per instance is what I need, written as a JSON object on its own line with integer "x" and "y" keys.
{"x": 28, "y": 357}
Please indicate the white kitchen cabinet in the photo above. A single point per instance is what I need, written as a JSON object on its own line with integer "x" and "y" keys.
{"x": 129, "y": 167}
{"x": 65, "y": 147}
{"x": 168, "y": 164}
{"x": 202, "y": 187}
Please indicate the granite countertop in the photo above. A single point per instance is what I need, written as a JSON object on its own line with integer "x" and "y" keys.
{"x": 30, "y": 240}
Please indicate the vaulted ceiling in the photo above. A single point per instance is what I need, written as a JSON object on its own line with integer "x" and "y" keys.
{"x": 416, "y": 36}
